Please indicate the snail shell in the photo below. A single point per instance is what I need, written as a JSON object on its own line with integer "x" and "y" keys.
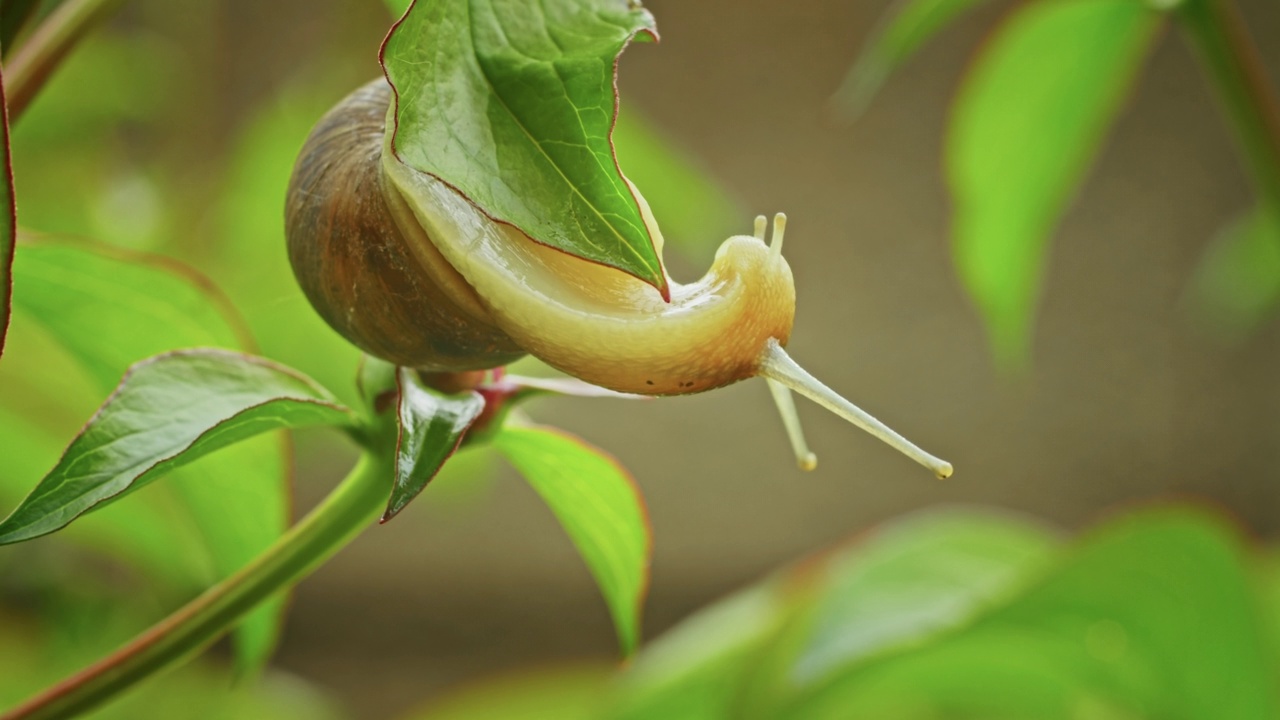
{"x": 393, "y": 297}
{"x": 409, "y": 270}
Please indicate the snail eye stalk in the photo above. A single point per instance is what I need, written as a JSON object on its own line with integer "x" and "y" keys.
{"x": 805, "y": 459}
{"x": 779, "y": 229}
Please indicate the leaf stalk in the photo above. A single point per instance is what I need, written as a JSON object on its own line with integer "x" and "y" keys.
{"x": 354, "y": 505}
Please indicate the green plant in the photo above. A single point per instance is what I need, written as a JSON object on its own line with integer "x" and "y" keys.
{"x": 952, "y": 613}
{"x": 1068, "y": 66}
{"x": 1160, "y": 613}
{"x": 178, "y": 406}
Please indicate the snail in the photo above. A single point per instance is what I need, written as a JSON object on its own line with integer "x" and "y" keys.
{"x": 409, "y": 270}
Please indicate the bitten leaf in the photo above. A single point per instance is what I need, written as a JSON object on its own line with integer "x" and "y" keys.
{"x": 512, "y": 103}
{"x": 432, "y": 425}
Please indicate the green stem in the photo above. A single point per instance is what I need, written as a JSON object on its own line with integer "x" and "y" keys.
{"x": 1228, "y": 54}
{"x": 354, "y": 505}
{"x": 32, "y": 64}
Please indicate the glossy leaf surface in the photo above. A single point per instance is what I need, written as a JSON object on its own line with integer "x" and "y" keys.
{"x": 1065, "y": 65}
{"x": 168, "y": 411}
{"x": 904, "y": 28}
{"x": 599, "y": 506}
{"x": 107, "y": 309}
{"x": 432, "y": 425}
{"x": 513, "y": 103}
{"x": 152, "y": 534}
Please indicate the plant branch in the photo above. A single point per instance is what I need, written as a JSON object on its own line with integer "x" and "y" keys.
{"x": 354, "y": 505}
{"x": 32, "y": 63}
{"x": 1231, "y": 59}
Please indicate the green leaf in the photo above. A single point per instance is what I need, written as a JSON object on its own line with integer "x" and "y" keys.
{"x": 432, "y": 425}
{"x": 1237, "y": 285}
{"x": 697, "y": 669}
{"x": 512, "y": 103}
{"x": 153, "y": 535}
{"x": 903, "y": 30}
{"x": 899, "y": 586}
{"x": 895, "y": 587}
{"x": 168, "y": 411}
{"x": 977, "y": 615}
{"x": 914, "y": 579}
{"x": 1028, "y": 120}
{"x": 8, "y": 220}
{"x": 109, "y": 308}
{"x": 599, "y": 506}
{"x": 1151, "y": 616}
{"x": 398, "y": 7}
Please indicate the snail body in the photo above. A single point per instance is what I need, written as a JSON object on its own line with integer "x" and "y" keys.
{"x": 600, "y": 324}
{"x": 434, "y": 283}
{"x": 409, "y": 270}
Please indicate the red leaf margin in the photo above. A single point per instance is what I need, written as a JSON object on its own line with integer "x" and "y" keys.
{"x": 663, "y": 288}
{"x": 9, "y": 230}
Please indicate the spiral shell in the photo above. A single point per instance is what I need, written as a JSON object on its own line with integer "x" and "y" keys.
{"x": 393, "y": 297}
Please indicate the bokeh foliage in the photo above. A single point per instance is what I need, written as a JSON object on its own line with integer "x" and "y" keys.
{"x": 1032, "y": 113}
{"x": 1162, "y": 613}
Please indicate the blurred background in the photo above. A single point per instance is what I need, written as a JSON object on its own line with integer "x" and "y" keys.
{"x": 173, "y": 131}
